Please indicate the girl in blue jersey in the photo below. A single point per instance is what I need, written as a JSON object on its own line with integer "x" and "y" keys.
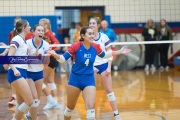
{"x": 103, "y": 66}
{"x": 82, "y": 74}
{"x": 17, "y": 72}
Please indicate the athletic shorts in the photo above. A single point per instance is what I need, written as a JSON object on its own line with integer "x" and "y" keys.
{"x": 101, "y": 68}
{"x": 52, "y": 63}
{"x": 35, "y": 76}
{"x": 81, "y": 81}
{"x": 11, "y": 77}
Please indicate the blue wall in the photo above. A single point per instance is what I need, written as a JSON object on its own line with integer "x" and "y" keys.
{"x": 7, "y": 24}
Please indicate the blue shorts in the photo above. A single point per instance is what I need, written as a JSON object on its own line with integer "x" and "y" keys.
{"x": 101, "y": 68}
{"x": 11, "y": 77}
{"x": 81, "y": 81}
{"x": 35, "y": 75}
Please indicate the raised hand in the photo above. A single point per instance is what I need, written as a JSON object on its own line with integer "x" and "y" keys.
{"x": 2, "y": 44}
{"x": 124, "y": 50}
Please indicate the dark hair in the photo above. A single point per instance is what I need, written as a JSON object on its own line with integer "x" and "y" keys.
{"x": 83, "y": 32}
{"x": 19, "y": 26}
{"x": 34, "y": 28}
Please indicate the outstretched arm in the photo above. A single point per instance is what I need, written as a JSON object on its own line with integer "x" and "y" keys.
{"x": 123, "y": 50}
{"x": 59, "y": 58}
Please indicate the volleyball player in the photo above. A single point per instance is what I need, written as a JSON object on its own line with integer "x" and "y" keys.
{"x": 12, "y": 100}
{"x": 103, "y": 66}
{"x": 37, "y": 47}
{"x": 17, "y": 72}
{"x": 49, "y": 71}
{"x": 81, "y": 78}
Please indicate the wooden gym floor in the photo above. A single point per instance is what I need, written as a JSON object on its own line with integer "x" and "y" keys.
{"x": 140, "y": 96}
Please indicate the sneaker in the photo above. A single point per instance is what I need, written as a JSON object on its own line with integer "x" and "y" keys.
{"x": 63, "y": 70}
{"x": 27, "y": 116}
{"x": 51, "y": 106}
{"x": 117, "y": 117}
{"x": 12, "y": 101}
{"x": 146, "y": 68}
{"x": 161, "y": 68}
{"x": 167, "y": 68}
{"x": 153, "y": 68}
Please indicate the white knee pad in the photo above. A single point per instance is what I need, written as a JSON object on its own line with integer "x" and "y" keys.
{"x": 52, "y": 86}
{"x": 67, "y": 112}
{"x": 90, "y": 114}
{"x": 36, "y": 103}
{"x": 43, "y": 86}
{"x": 111, "y": 96}
{"x": 24, "y": 107}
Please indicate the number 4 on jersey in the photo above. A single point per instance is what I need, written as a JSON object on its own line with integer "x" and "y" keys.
{"x": 87, "y": 62}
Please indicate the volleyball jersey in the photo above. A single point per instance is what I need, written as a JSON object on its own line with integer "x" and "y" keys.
{"x": 44, "y": 47}
{"x": 104, "y": 43}
{"x": 21, "y": 49}
{"x": 83, "y": 59}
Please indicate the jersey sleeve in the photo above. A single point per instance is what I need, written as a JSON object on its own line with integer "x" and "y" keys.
{"x": 107, "y": 41}
{"x": 71, "y": 50}
{"x": 99, "y": 51}
{"x": 16, "y": 42}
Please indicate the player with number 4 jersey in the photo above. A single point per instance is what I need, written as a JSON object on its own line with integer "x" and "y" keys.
{"x": 82, "y": 74}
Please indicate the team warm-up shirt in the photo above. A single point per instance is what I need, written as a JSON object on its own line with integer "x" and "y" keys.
{"x": 21, "y": 49}
{"x": 44, "y": 47}
{"x": 104, "y": 43}
{"x": 83, "y": 59}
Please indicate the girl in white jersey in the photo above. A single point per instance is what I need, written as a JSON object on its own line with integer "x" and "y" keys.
{"x": 103, "y": 66}
{"x": 17, "y": 72}
{"x": 36, "y": 47}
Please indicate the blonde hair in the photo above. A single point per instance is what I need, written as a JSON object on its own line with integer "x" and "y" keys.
{"x": 147, "y": 24}
{"x": 46, "y": 21}
{"x": 97, "y": 19}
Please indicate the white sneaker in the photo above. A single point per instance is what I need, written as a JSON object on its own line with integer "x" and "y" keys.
{"x": 161, "y": 68}
{"x": 153, "y": 68}
{"x": 12, "y": 102}
{"x": 51, "y": 106}
{"x": 27, "y": 116}
{"x": 117, "y": 117}
{"x": 146, "y": 68}
{"x": 167, "y": 68}
{"x": 63, "y": 70}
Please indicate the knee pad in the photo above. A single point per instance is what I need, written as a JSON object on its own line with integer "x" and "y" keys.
{"x": 43, "y": 86}
{"x": 67, "y": 112}
{"x": 24, "y": 107}
{"x": 90, "y": 114}
{"x": 111, "y": 96}
{"x": 36, "y": 103}
{"x": 52, "y": 86}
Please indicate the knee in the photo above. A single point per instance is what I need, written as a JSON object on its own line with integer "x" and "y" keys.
{"x": 111, "y": 96}
{"x": 90, "y": 105}
{"x": 52, "y": 86}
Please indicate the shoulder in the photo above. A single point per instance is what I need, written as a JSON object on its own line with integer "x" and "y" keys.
{"x": 76, "y": 44}
{"x": 29, "y": 41}
{"x": 95, "y": 45}
{"x": 103, "y": 35}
